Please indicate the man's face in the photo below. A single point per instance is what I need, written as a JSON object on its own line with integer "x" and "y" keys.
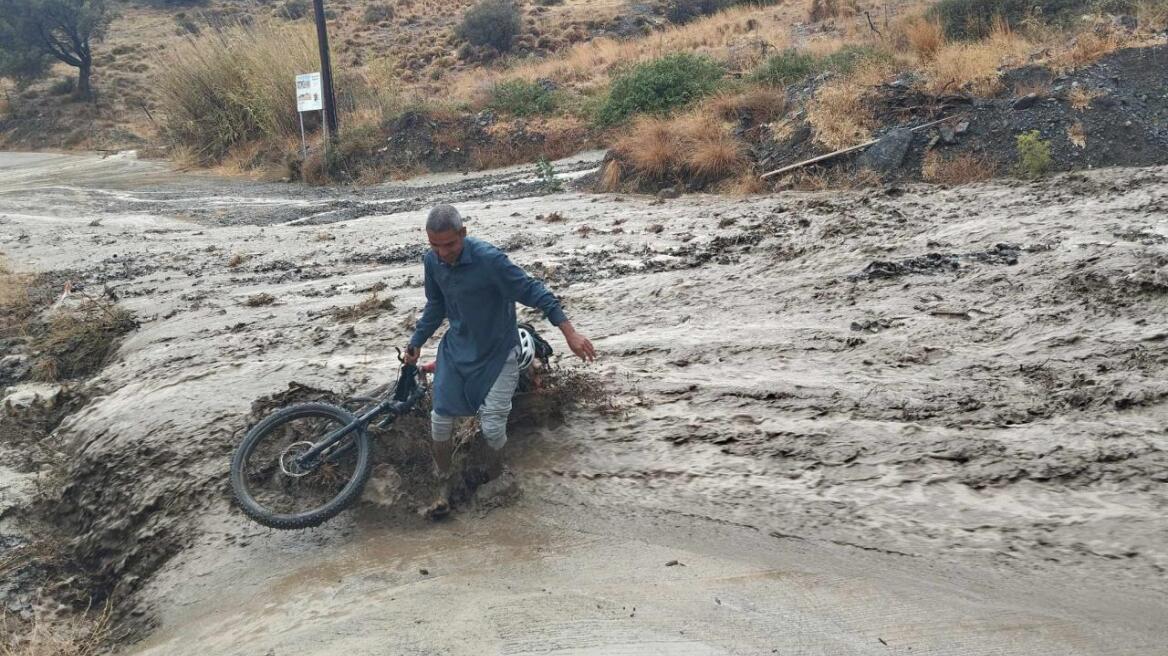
{"x": 448, "y": 244}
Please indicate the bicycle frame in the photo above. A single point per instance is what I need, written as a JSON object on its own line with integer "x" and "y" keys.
{"x": 410, "y": 387}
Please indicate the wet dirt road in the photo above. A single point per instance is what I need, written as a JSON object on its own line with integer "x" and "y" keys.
{"x": 889, "y": 421}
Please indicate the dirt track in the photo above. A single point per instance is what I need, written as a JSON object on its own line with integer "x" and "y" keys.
{"x": 922, "y": 417}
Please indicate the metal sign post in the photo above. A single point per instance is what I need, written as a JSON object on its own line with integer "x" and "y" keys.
{"x": 308, "y": 99}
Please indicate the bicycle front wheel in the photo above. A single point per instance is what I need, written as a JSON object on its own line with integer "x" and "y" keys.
{"x": 271, "y": 488}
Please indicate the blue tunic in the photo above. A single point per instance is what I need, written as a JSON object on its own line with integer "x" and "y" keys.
{"x": 478, "y": 295}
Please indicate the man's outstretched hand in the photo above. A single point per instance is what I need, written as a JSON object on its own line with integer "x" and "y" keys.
{"x": 578, "y": 343}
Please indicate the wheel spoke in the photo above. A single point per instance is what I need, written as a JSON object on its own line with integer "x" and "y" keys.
{"x": 279, "y": 488}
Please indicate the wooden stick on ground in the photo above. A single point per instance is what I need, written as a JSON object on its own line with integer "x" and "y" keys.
{"x": 847, "y": 150}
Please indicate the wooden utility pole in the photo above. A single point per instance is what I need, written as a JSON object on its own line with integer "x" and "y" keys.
{"x": 326, "y": 73}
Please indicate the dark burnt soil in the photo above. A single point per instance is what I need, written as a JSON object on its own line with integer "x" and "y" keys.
{"x": 1125, "y": 124}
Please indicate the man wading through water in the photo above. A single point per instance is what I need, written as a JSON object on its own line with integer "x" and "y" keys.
{"x": 476, "y": 286}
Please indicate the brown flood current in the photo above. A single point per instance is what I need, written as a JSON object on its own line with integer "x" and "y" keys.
{"x": 903, "y": 420}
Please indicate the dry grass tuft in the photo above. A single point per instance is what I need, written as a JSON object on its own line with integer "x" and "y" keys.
{"x": 820, "y": 10}
{"x": 758, "y": 105}
{"x": 371, "y": 306}
{"x": 1077, "y": 134}
{"x": 839, "y": 115}
{"x": 921, "y": 36}
{"x": 975, "y": 66}
{"x": 711, "y": 153}
{"x": 1081, "y": 97}
{"x": 610, "y": 176}
{"x": 76, "y": 342}
{"x": 259, "y": 300}
{"x": 15, "y": 305}
{"x": 957, "y": 170}
{"x": 87, "y": 634}
{"x": 1086, "y": 48}
{"x": 651, "y": 147}
{"x": 746, "y": 184}
{"x": 1152, "y": 16}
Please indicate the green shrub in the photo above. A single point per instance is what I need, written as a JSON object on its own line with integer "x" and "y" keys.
{"x": 493, "y": 23}
{"x": 974, "y": 19}
{"x": 1033, "y": 155}
{"x": 547, "y": 175}
{"x": 378, "y": 13}
{"x": 522, "y": 98}
{"x": 660, "y": 85}
{"x": 787, "y": 67}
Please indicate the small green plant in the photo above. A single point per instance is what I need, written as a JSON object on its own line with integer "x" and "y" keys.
{"x": 522, "y": 98}
{"x": 1033, "y": 155}
{"x": 493, "y": 23}
{"x": 547, "y": 174}
{"x": 787, "y": 67}
{"x": 660, "y": 85}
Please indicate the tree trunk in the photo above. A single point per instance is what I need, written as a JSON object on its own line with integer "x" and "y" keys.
{"x": 84, "y": 91}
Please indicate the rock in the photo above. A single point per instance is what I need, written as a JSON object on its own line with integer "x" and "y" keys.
{"x": 13, "y": 368}
{"x": 668, "y": 193}
{"x": 28, "y": 398}
{"x": 887, "y": 154}
{"x": 1026, "y": 102}
{"x": 961, "y": 128}
{"x": 947, "y": 134}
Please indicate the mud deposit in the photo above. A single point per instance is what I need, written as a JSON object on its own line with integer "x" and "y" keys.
{"x": 914, "y": 420}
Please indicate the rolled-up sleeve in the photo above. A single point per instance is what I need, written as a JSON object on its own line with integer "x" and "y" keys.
{"x": 518, "y": 286}
{"x": 434, "y": 312}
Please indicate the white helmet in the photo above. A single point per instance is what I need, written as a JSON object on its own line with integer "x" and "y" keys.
{"x": 526, "y": 348}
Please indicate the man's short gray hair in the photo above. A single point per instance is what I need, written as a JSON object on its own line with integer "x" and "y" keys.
{"x": 443, "y": 218}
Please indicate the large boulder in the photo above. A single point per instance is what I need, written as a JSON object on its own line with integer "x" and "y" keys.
{"x": 886, "y": 155}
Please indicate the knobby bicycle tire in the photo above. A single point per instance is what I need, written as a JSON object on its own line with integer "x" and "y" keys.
{"x": 309, "y": 518}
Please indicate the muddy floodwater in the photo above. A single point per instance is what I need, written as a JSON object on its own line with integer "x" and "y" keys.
{"x": 902, "y": 420}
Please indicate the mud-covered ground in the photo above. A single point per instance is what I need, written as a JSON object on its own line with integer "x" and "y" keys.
{"x": 895, "y": 420}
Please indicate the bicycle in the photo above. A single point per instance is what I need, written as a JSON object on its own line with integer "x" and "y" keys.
{"x": 320, "y": 454}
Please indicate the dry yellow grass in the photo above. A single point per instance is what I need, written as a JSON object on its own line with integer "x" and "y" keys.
{"x": 839, "y": 115}
{"x": 956, "y": 170}
{"x": 1081, "y": 97}
{"x": 611, "y": 176}
{"x": 1085, "y": 48}
{"x": 974, "y": 66}
{"x": 83, "y": 635}
{"x": 820, "y": 10}
{"x": 1077, "y": 134}
{"x": 651, "y": 147}
{"x": 1152, "y": 16}
{"x": 921, "y": 36}
{"x": 695, "y": 146}
{"x": 760, "y": 104}
{"x": 741, "y": 36}
{"x": 14, "y": 299}
{"x": 712, "y": 153}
